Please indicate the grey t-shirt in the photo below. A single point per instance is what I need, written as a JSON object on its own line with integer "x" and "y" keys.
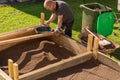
{"x": 64, "y": 9}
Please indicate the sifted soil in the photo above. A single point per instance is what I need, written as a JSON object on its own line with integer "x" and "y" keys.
{"x": 33, "y": 54}
{"x": 90, "y": 70}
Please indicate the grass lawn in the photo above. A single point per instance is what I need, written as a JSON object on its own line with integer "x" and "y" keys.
{"x": 19, "y": 16}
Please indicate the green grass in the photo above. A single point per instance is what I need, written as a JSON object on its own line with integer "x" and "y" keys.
{"x": 116, "y": 37}
{"x": 12, "y": 18}
{"x": 20, "y": 16}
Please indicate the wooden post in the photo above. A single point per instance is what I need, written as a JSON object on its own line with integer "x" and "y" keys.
{"x": 15, "y": 71}
{"x": 89, "y": 43}
{"x": 42, "y": 18}
{"x": 119, "y": 63}
{"x": 95, "y": 49}
{"x": 10, "y": 68}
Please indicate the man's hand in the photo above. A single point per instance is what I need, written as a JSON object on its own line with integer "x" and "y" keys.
{"x": 52, "y": 18}
{"x": 59, "y": 31}
{"x": 47, "y": 23}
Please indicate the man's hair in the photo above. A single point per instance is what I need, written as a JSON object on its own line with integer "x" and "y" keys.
{"x": 48, "y": 2}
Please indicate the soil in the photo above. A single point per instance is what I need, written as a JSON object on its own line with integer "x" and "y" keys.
{"x": 90, "y": 70}
{"x": 33, "y": 54}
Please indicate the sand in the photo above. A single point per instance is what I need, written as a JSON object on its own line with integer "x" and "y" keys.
{"x": 33, "y": 54}
{"x": 90, "y": 70}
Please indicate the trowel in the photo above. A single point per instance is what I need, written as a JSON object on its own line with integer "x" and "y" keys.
{"x": 102, "y": 41}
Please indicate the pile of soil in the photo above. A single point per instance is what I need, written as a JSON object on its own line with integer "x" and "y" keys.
{"x": 90, "y": 70}
{"x": 33, "y": 54}
{"x": 104, "y": 49}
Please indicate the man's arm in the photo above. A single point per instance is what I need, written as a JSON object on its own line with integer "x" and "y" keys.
{"x": 59, "y": 23}
{"x": 52, "y": 18}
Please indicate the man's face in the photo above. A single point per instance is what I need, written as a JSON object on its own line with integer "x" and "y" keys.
{"x": 50, "y": 7}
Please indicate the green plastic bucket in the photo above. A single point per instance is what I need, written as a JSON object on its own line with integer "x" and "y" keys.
{"x": 105, "y": 23}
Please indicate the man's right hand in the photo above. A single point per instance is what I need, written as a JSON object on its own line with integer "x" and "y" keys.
{"x": 47, "y": 23}
{"x": 59, "y": 31}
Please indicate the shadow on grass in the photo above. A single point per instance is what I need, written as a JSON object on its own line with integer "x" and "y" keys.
{"x": 116, "y": 27}
{"x": 32, "y": 8}
{"x": 116, "y": 54}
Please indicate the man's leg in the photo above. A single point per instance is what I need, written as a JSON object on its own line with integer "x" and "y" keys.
{"x": 68, "y": 31}
{"x": 68, "y": 28}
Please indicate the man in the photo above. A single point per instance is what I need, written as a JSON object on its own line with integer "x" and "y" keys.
{"x": 62, "y": 11}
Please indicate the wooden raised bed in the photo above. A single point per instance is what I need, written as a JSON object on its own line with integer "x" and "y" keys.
{"x": 10, "y": 42}
{"x": 76, "y": 53}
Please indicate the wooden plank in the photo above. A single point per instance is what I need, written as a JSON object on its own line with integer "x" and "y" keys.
{"x": 69, "y": 44}
{"x": 4, "y": 76}
{"x": 95, "y": 48}
{"x": 18, "y": 33}
{"x": 15, "y": 71}
{"x": 67, "y": 63}
{"x": 10, "y": 68}
{"x": 89, "y": 43}
{"x": 21, "y": 39}
{"x": 109, "y": 61}
{"x": 15, "y": 34}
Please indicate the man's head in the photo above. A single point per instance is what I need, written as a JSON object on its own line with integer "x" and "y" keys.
{"x": 50, "y": 5}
